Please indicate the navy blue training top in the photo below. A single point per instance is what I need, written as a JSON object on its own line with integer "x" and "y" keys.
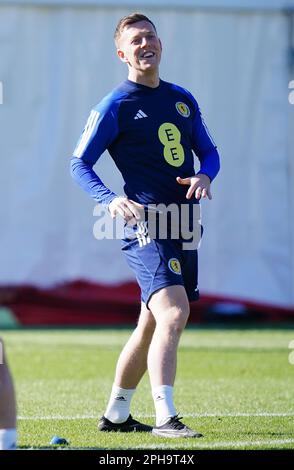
{"x": 151, "y": 134}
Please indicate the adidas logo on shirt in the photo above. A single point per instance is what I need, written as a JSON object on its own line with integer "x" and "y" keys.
{"x": 140, "y": 114}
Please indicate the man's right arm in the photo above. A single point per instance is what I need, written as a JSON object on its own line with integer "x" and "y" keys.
{"x": 90, "y": 182}
{"x": 100, "y": 131}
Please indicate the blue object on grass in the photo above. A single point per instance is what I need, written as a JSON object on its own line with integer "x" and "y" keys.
{"x": 56, "y": 440}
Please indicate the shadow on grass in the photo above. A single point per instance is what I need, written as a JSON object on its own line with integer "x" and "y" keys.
{"x": 61, "y": 448}
{"x": 219, "y": 324}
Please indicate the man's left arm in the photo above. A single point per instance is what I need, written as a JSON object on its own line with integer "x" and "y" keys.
{"x": 205, "y": 149}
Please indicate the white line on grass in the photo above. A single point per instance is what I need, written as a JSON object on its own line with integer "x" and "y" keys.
{"x": 215, "y": 445}
{"x": 227, "y": 415}
{"x": 188, "y": 415}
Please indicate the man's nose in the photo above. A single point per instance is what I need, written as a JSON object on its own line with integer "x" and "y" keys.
{"x": 144, "y": 42}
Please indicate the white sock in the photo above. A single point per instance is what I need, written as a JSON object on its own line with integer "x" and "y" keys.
{"x": 118, "y": 408}
{"x": 8, "y": 439}
{"x": 164, "y": 405}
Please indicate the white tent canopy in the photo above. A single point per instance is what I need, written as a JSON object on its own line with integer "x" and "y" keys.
{"x": 55, "y": 63}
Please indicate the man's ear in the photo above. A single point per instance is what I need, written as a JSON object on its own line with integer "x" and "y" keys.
{"x": 122, "y": 56}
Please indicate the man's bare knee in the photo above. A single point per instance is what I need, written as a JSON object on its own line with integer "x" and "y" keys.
{"x": 170, "y": 307}
{"x": 174, "y": 319}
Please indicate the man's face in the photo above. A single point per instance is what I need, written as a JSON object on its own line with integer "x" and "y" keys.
{"x": 140, "y": 47}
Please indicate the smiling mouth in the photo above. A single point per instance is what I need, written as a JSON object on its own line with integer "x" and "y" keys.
{"x": 147, "y": 55}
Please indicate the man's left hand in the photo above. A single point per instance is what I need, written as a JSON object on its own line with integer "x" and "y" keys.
{"x": 199, "y": 184}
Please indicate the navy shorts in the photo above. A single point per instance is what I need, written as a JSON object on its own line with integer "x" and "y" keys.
{"x": 161, "y": 263}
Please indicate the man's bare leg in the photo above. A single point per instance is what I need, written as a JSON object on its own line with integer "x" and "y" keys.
{"x": 132, "y": 362}
{"x": 7, "y": 405}
{"x": 170, "y": 308}
{"x": 131, "y": 366}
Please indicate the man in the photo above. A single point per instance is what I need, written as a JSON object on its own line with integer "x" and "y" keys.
{"x": 150, "y": 128}
{"x": 7, "y": 405}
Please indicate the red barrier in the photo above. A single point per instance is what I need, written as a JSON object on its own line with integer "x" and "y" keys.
{"x": 85, "y": 303}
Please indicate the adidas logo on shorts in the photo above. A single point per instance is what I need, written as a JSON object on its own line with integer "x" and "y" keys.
{"x": 142, "y": 234}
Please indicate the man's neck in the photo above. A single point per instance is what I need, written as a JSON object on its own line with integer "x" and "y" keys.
{"x": 151, "y": 80}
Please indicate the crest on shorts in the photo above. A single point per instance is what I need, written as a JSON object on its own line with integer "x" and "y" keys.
{"x": 175, "y": 266}
{"x": 183, "y": 109}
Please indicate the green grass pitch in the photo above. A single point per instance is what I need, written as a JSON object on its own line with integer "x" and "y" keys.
{"x": 235, "y": 385}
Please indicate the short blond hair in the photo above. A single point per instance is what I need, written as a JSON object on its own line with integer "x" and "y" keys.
{"x": 128, "y": 20}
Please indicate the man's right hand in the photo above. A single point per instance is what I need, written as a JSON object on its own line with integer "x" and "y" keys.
{"x": 125, "y": 207}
